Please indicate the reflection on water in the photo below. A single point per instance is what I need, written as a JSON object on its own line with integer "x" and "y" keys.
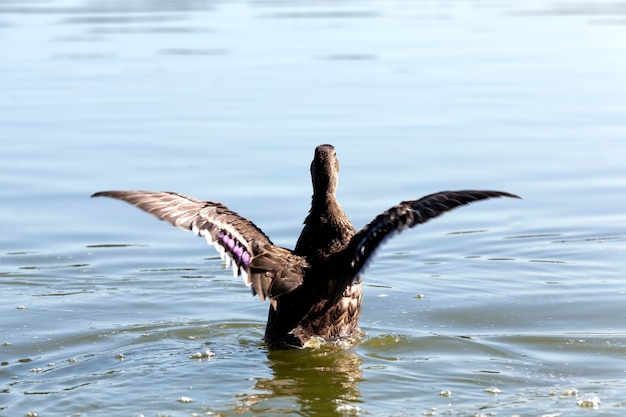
{"x": 311, "y": 382}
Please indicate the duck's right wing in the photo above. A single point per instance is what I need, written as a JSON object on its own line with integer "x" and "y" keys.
{"x": 406, "y": 215}
{"x": 271, "y": 270}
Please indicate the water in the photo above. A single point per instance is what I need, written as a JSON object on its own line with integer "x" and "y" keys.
{"x": 500, "y": 308}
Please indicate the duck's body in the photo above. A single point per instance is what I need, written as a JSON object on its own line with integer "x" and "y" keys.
{"x": 314, "y": 290}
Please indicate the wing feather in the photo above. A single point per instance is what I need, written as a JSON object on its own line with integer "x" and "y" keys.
{"x": 269, "y": 269}
{"x": 405, "y": 215}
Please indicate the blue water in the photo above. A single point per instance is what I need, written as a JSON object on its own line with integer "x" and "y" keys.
{"x": 505, "y": 307}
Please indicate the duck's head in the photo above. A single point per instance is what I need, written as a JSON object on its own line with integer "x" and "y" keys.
{"x": 325, "y": 170}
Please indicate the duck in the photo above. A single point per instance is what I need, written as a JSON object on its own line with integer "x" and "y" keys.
{"x": 315, "y": 290}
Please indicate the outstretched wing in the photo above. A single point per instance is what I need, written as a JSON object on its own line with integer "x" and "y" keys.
{"x": 405, "y": 215}
{"x": 271, "y": 270}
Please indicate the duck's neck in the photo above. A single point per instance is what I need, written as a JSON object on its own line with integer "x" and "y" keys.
{"x": 327, "y": 229}
{"x": 324, "y": 205}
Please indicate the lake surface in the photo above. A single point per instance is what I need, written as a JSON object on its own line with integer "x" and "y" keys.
{"x": 505, "y": 307}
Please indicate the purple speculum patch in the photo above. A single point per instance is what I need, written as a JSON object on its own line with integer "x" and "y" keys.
{"x": 235, "y": 249}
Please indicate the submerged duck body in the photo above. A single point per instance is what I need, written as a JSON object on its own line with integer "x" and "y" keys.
{"x": 314, "y": 289}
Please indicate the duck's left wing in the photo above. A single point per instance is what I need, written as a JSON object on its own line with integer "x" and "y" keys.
{"x": 271, "y": 270}
{"x": 405, "y": 215}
